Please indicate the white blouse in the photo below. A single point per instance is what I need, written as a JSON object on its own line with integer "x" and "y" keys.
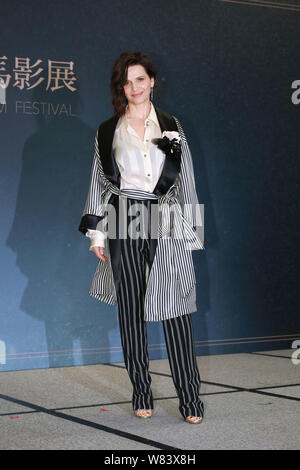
{"x": 140, "y": 161}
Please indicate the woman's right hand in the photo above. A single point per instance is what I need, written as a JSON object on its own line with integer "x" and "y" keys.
{"x": 99, "y": 252}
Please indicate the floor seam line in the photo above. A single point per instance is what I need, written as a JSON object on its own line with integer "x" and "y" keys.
{"x": 117, "y": 432}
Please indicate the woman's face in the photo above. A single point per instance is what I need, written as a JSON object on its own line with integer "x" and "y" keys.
{"x": 137, "y": 88}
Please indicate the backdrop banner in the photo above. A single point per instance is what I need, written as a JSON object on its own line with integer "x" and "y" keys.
{"x": 229, "y": 71}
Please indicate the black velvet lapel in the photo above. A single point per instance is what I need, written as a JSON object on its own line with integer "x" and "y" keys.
{"x": 105, "y": 140}
{"x": 171, "y": 166}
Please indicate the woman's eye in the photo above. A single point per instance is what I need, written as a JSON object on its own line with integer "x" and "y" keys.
{"x": 140, "y": 79}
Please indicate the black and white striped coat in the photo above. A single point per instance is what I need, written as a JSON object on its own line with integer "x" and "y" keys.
{"x": 171, "y": 281}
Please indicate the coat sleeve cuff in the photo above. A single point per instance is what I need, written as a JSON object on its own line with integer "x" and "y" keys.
{"x": 89, "y": 221}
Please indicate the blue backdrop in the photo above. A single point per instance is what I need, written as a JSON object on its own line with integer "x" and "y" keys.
{"x": 226, "y": 70}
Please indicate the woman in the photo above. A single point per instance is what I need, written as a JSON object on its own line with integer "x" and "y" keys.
{"x": 142, "y": 165}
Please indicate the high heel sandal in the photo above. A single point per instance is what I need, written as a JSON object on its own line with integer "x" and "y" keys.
{"x": 143, "y": 413}
{"x": 194, "y": 419}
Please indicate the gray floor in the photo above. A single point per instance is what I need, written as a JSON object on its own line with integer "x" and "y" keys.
{"x": 251, "y": 402}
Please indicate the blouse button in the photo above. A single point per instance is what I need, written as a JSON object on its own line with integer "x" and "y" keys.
{"x": 148, "y": 174}
{"x": 145, "y": 155}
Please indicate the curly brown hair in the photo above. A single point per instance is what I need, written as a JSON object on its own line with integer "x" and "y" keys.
{"x": 119, "y": 77}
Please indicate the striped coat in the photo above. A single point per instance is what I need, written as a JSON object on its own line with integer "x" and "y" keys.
{"x": 171, "y": 282}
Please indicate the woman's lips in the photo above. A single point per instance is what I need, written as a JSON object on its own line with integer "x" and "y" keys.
{"x": 137, "y": 94}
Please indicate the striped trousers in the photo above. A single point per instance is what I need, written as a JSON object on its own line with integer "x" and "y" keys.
{"x": 178, "y": 332}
